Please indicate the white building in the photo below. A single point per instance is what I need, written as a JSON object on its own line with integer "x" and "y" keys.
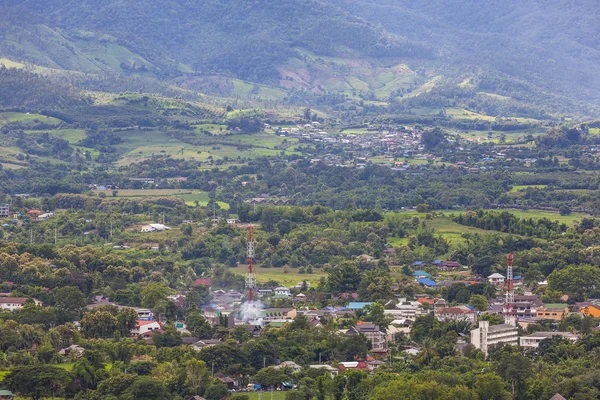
{"x": 486, "y": 335}
{"x": 154, "y": 228}
{"x": 4, "y": 211}
{"x": 15, "y": 303}
{"x": 534, "y": 339}
{"x": 142, "y": 327}
{"x": 282, "y": 291}
{"x": 333, "y": 372}
{"x": 496, "y": 279}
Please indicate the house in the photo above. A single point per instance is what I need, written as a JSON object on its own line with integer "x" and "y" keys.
{"x": 357, "y": 305}
{"x": 526, "y": 306}
{"x": 282, "y": 291}
{"x": 291, "y": 365}
{"x": 142, "y": 327}
{"x": 232, "y": 221}
{"x": 229, "y": 382}
{"x": 276, "y": 314}
{"x": 15, "y": 303}
{"x": 205, "y": 343}
{"x": 6, "y": 394}
{"x": 592, "y": 309}
{"x": 72, "y": 351}
{"x": 556, "y": 312}
{"x": 534, "y": 339}
{"x": 333, "y": 372}
{"x": 419, "y": 263}
{"x": 372, "y": 332}
{"x": 353, "y": 365}
{"x": 426, "y": 282}
{"x": 485, "y": 336}
{"x": 455, "y": 314}
{"x": 45, "y": 216}
{"x": 154, "y": 228}
{"x": 496, "y": 279}
{"x": 196, "y": 397}
{"x": 449, "y": 266}
{"x": 421, "y": 274}
{"x": 557, "y": 396}
{"x": 4, "y": 211}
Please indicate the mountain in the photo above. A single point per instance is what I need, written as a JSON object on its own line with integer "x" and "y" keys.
{"x": 536, "y": 59}
{"x": 245, "y": 38}
{"x": 553, "y": 44}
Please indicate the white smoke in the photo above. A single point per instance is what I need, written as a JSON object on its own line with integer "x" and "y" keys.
{"x": 250, "y": 312}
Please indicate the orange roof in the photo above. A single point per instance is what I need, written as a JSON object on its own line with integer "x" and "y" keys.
{"x": 423, "y": 300}
{"x": 142, "y": 323}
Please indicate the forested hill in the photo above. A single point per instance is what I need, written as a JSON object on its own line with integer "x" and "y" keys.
{"x": 554, "y": 44}
{"x": 246, "y": 38}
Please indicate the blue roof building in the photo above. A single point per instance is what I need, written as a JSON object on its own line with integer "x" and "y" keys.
{"x": 421, "y": 274}
{"x": 427, "y": 282}
{"x": 437, "y": 262}
{"x": 419, "y": 263}
{"x": 357, "y": 305}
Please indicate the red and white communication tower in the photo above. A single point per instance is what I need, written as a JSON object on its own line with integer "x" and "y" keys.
{"x": 510, "y": 317}
{"x": 250, "y": 278}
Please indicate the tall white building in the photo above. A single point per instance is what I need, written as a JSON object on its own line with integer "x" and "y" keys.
{"x": 486, "y": 335}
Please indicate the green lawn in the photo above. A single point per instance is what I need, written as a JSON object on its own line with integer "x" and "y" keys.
{"x": 266, "y": 395}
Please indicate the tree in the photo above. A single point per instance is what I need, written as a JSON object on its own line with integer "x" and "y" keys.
{"x": 147, "y": 388}
{"x": 37, "y": 381}
{"x": 270, "y": 377}
{"x": 99, "y": 324}
{"x": 490, "y": 387}
{"x": 515, "y": 368}
{"x": 375, "y": 314}
{"x": 198, "y": 325}
{"x": 577, "y": 281}
{"x": 216, "y": 391}
{"x": 478, "y": 302}
{"x": 343, "y": 278}
{"x": 69, "y": 299}
{"x": 154, "y": 293}
{"x": 196, "y": 375}
{"x": 432, "y": 139}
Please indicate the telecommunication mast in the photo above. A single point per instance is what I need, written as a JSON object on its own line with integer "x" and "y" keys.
{"x": 510, "y": 317}
{"x": 250, "y": 278}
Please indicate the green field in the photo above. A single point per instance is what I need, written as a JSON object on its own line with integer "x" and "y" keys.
{"x": 27, "y": 118}
{"x": 266, "y": 395}
{"x": 518, "y": 188}
{"x": 292, "y": 277}
{"x": 189, "y": 196}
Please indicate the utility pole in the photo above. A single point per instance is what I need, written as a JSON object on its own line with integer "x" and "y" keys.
{"x": 55, "y": 237}
{"x": 111, "y": 229}
{"x": 31, "y": 236}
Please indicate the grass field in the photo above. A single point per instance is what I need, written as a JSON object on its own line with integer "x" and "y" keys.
{"x": 292, "y": 277}
{"x": 266, "y": 395}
